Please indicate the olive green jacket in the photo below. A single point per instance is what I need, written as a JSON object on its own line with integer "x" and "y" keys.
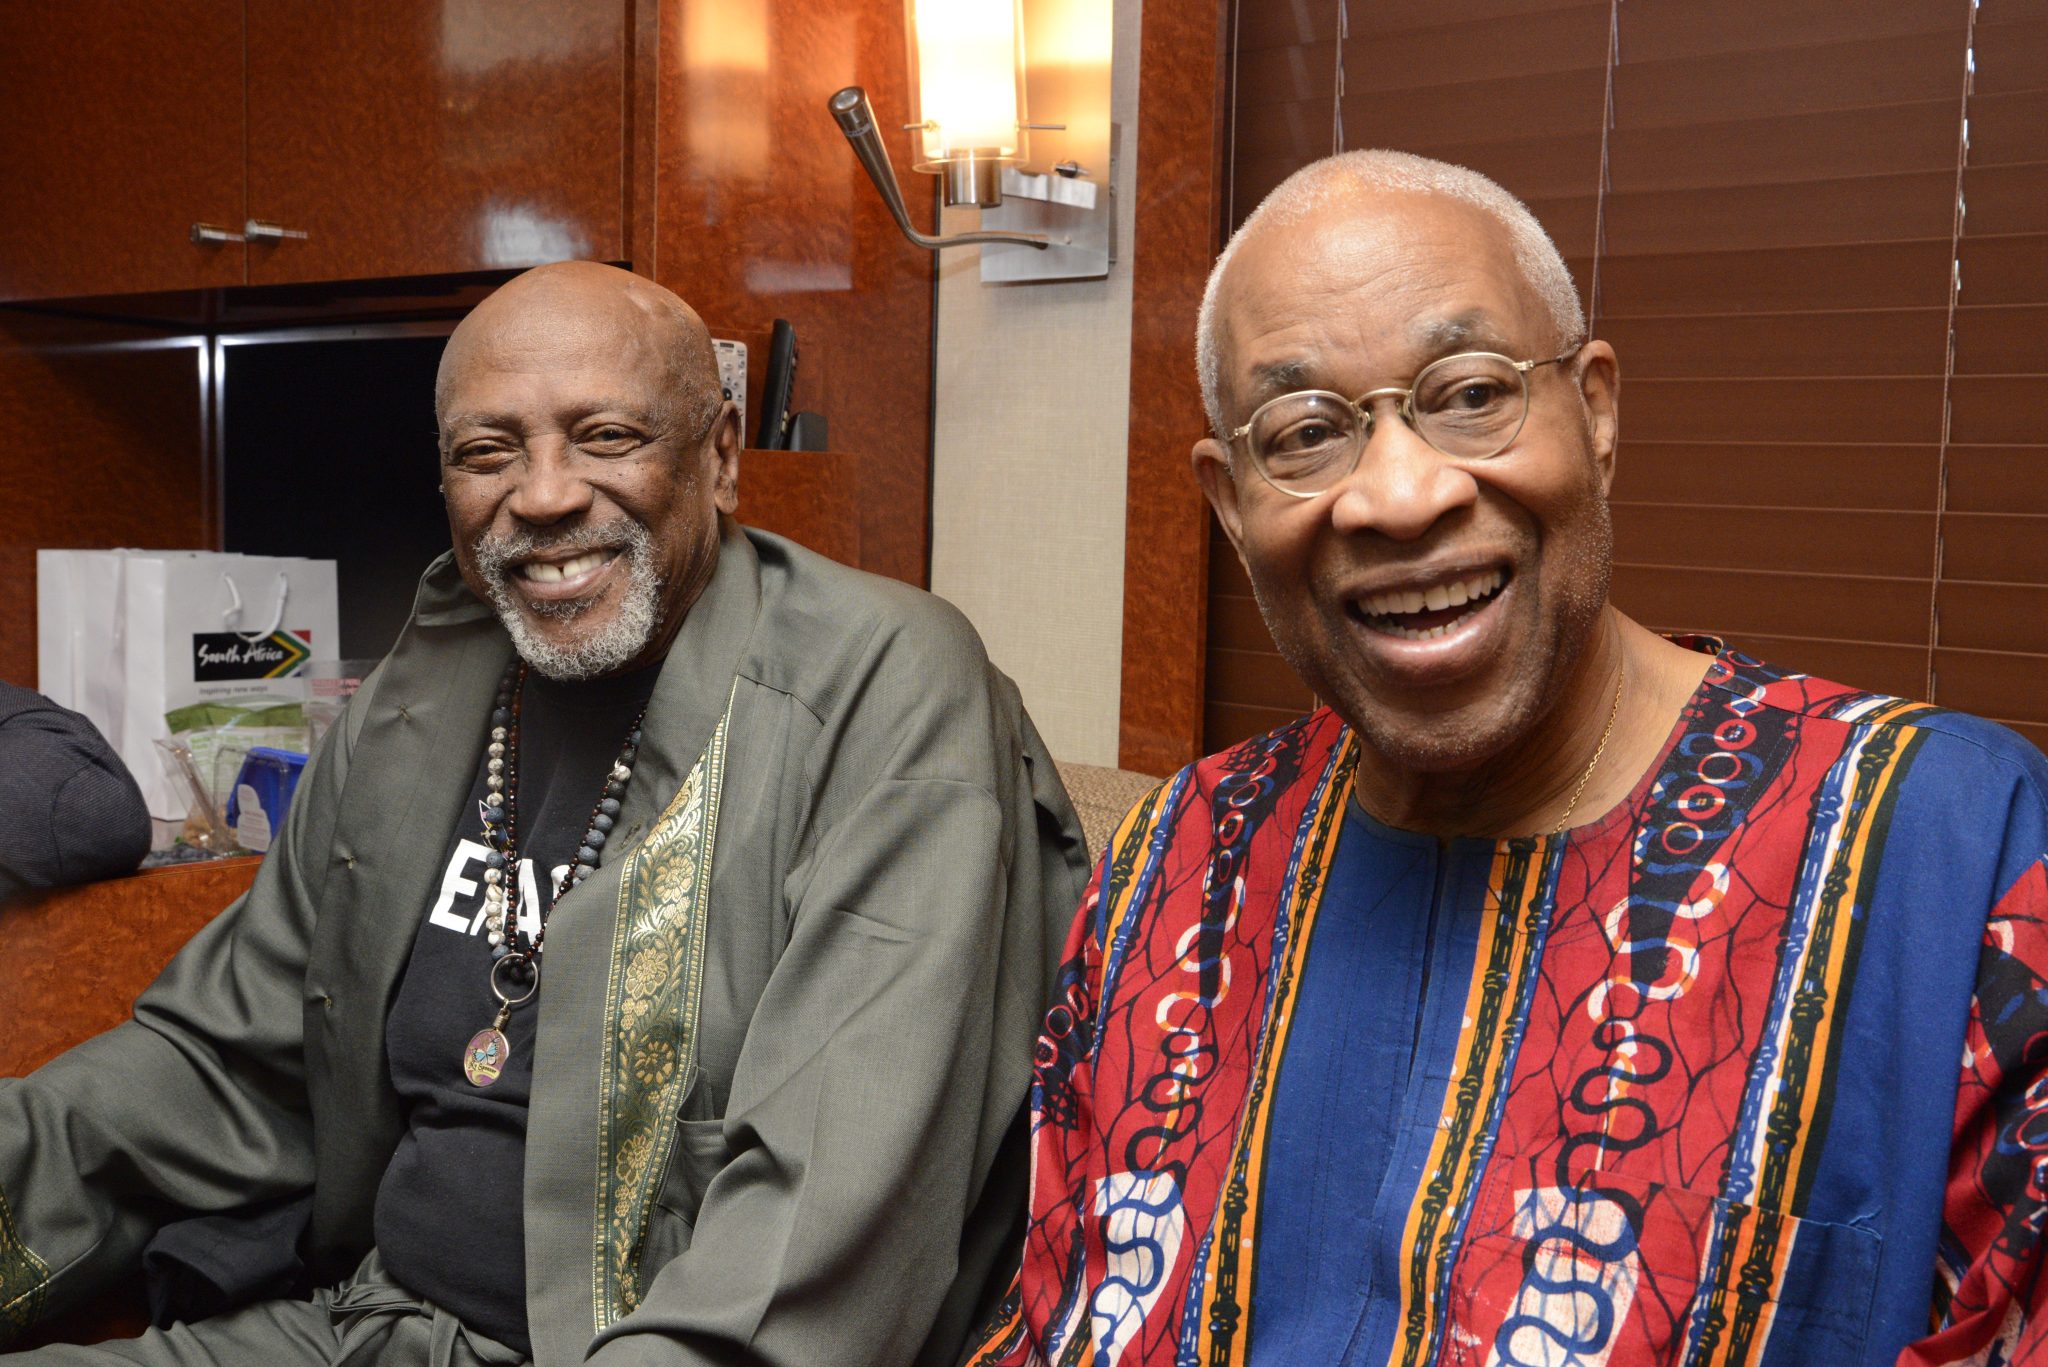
{"x": 777, "y": 1124}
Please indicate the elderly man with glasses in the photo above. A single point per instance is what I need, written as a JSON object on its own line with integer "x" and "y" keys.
{"x": 1558, "y": 993}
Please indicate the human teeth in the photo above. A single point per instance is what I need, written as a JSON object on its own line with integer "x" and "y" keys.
{"x": 1412, "y": 634}
{"x": 1437, "y": 597}
{"x": 542, "y": 573}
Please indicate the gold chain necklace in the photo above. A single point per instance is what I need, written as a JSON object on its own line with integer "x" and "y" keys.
{"x": 1613, "y": 710}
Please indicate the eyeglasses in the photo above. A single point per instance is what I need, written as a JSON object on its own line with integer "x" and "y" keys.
{"x": 1469, "y": 407}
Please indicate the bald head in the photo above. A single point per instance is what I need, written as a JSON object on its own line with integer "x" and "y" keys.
{"x": 1351, "y": 183}
{"x": 526, "y": 320}
{"x": 588, "y": 463}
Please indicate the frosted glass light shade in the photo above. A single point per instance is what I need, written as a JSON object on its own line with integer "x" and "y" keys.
{"x": 967, "y": 81}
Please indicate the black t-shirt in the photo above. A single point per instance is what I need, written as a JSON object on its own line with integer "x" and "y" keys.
{"x": 449, "y": 1218}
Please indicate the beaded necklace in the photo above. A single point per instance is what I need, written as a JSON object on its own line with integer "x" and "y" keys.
{"x": 515, "y": 955}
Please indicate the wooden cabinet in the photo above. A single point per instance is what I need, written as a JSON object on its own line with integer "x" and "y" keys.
{"x": 399, "y": 138}
{"x": 411, "y": 139}
{"x": 120, "y": 127}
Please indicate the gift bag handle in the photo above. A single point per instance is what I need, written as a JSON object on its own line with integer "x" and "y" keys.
{"x": 233, "y": 612}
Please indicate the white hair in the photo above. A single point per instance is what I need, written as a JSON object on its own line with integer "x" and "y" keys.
{"x": 1334, "y": 178}
{"x": 601, "y": 650}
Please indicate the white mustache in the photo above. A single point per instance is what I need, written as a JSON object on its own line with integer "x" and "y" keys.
{"x": 495, "y": 554}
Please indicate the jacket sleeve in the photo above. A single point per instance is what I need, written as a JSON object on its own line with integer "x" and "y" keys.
{"x": 888, "y": 1058}
{"x": 69, "y": 811}
{"x": 1991, "y": 1294}
{"x": 196, "y": 1105}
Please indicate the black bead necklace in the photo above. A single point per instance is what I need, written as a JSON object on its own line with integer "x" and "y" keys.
{"x": 515, "y": 955}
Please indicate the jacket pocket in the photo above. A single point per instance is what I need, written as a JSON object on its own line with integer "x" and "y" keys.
{"x": 699, "y": 1152}
{"x": 1610, "y": 1269}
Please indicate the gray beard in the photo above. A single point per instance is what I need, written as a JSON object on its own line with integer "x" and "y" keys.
{"x": 601, "y": 651}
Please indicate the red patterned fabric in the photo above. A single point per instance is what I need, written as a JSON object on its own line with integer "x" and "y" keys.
{"x": 1699, "y": 1085}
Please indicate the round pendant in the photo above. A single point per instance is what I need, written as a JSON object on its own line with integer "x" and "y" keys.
{"x": 486, "y": 1056}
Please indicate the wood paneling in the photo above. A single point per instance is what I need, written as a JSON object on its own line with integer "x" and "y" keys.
{"x": 410, "y": 139}
{"x": 811, "y": 497}
{"x": 100, "y": 445}
{"x": 1179, "y": 217}
{"x": 123, "y": 127}
{"x": 761, "y": 212}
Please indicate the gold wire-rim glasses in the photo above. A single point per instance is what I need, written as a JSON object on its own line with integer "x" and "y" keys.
{"x": 1336, "y": 470}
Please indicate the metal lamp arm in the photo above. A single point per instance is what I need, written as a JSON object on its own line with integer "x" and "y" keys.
{"x": 856, "y": 119}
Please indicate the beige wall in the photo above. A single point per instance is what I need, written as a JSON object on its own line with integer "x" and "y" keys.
{"x": 1031, "y": 410}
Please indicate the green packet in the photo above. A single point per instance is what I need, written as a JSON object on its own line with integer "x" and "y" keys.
{"x": 201, "y": 716}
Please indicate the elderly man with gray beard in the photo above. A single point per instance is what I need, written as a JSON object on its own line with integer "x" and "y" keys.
{"x": 649, "y": 967}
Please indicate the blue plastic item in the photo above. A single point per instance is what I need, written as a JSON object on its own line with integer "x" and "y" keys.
{"x": 263, "y": 795}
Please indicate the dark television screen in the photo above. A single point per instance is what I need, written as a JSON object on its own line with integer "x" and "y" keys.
{"x": 328, "y": 450}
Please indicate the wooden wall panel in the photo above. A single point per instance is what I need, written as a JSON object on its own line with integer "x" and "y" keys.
{"x": 761, "y": 211}
{"x": 1180, "y": 189}
{"x": 99, "y": 446}
{"x": 811, "y": 497}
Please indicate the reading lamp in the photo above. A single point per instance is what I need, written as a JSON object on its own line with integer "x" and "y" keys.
{"x": 969, "y": 86}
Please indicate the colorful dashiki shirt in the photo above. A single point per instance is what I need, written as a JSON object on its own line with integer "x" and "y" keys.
{"x": 1753, "y": 1070}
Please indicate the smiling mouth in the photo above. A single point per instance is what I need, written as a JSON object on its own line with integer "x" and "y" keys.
{"x": 1425, "y": 614}
{"x": 545, "y": 572}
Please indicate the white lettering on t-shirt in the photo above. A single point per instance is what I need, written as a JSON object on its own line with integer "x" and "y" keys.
{"x": 529, "y": 887}
{"x": 454, "y": 884}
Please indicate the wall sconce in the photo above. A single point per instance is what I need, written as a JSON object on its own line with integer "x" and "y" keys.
{"x": 967, "y": 94}
{"x": 976, "y": 68}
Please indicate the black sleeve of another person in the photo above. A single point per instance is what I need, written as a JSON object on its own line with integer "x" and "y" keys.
{"x": 69, "y": 809}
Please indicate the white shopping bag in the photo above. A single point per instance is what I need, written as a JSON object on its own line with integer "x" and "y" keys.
{"x": 128, "y": 636}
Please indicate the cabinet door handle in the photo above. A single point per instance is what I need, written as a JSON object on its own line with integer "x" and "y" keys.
{"x": 212, "y": 235}
{"x": 262, "y": 230}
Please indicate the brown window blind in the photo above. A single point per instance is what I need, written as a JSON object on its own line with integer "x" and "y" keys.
{"x": 1283, "y": 115}
{"x": 1832, "y": 319}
